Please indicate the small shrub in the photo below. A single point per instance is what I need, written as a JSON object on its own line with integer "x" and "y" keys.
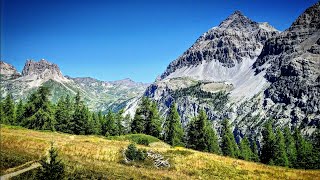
{"x": 132, "y": 153}
{"x": 51, "y": 167}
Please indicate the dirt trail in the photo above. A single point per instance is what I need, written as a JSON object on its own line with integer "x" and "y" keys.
{"x": 10, "y": 175}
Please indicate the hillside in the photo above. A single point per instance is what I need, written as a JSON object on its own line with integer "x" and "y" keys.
{"x": 98, "y": 157}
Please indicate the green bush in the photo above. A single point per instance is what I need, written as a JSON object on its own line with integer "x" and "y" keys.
{"x": 51, "y": 168}
{"x": 133, "y": 153}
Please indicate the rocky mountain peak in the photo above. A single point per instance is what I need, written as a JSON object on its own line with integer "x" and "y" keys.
{"x": 309, "y": 20}
{"x": 237, "y": 21}
{"x": 42, "y": 69}
{"x": 235, "y": 40}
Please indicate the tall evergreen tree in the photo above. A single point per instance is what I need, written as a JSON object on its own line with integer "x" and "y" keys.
{"x": 268, "y": 144}
{"x": 90, "y": 124}
{"x": 78, "y": 122}
{"x": 316, "y": 149}
{"x": 229, "y": 145}
{"x": 142, "y": 113}
{"x": 9, "y": 110}
{"x": 38, "y": 112}
{"x": 212, "y": 139}
{"x": 245, "y": 150}
{"x": 290, "y": 147}
{"x": 42, "y": 120}
{"x": 2, "y": 117}
{"x": 111, "y": 129}
{"x": 63, "y": 115}
{"x": 280, "y": 154}
{"x": 255, "y": 151}
{"x": 96, "y": 123}
{"x": 304, "y": 150}
{"x": 120, "y": 129}
{"x": 102, "y": 120}
{"x": 127, "y": 123}
{"x": 137, "y": 125}
{"x": 20, "y": 113}
{"x": 153, "y": 121}
{"x": 200, "y": 135}
{"x": 173, "y": 131}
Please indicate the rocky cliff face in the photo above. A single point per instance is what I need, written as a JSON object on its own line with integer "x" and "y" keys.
{"x": 42, "y": 70}
{"x": 248, "y": 72}
{"x": 291, "y": 61}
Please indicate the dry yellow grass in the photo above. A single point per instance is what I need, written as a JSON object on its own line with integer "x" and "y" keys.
{"x": 87, "y": 156}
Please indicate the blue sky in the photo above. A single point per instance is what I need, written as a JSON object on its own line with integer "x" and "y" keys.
{"x": 111, "y": 40}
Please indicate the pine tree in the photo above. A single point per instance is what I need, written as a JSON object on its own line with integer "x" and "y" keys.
{"x": 38, "y": 111}
{"x": 153, "y": 121}
{"x": 245, "y": 150}
{"x": 90, "y": 124}
{"x": 96, "y": 123}
{"x": 173, "y": 133}
{"x": 103, "y": 123}
{"x": 229, "y": 146}
{"x": 2, "y": 117}
{"x": 255, "y": 151}
{"x": 127, "y": 123}
{"x": 316, "y": 149}
{"x": 212, "y": 139}
{"x": 304, "y": 150}
{"x": 268, "y": 141}
{"x": 79, "y": 121}
{"x": 62, "y": 115}
{"x": 41, "y": 120}
{"x": 200, "y": 135}
{"x": 111, "y": 129}
{"x": 20, "y": 113}
{"x": 9, "y": 110}
{"x": 120, "y": 129}
{"x": 290, "y": 147}
{"x": 137, "y": 125}
{"x": 280, "y": 154}
{"x": 51, "y": 168}
{"x": 77, "y": 100}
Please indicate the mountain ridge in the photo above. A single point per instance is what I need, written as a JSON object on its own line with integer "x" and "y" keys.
{"x": 99, "y": 95}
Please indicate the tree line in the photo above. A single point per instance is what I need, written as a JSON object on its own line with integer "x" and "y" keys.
{"x": 71, "y": 115}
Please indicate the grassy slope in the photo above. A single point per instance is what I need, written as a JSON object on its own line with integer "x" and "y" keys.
{"x": 87, "y": 156}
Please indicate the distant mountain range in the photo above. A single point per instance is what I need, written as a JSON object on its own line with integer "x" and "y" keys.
{"x": 99, "y": 95}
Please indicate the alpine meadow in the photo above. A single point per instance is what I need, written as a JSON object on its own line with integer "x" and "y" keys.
{"x": 242, "y": 102}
